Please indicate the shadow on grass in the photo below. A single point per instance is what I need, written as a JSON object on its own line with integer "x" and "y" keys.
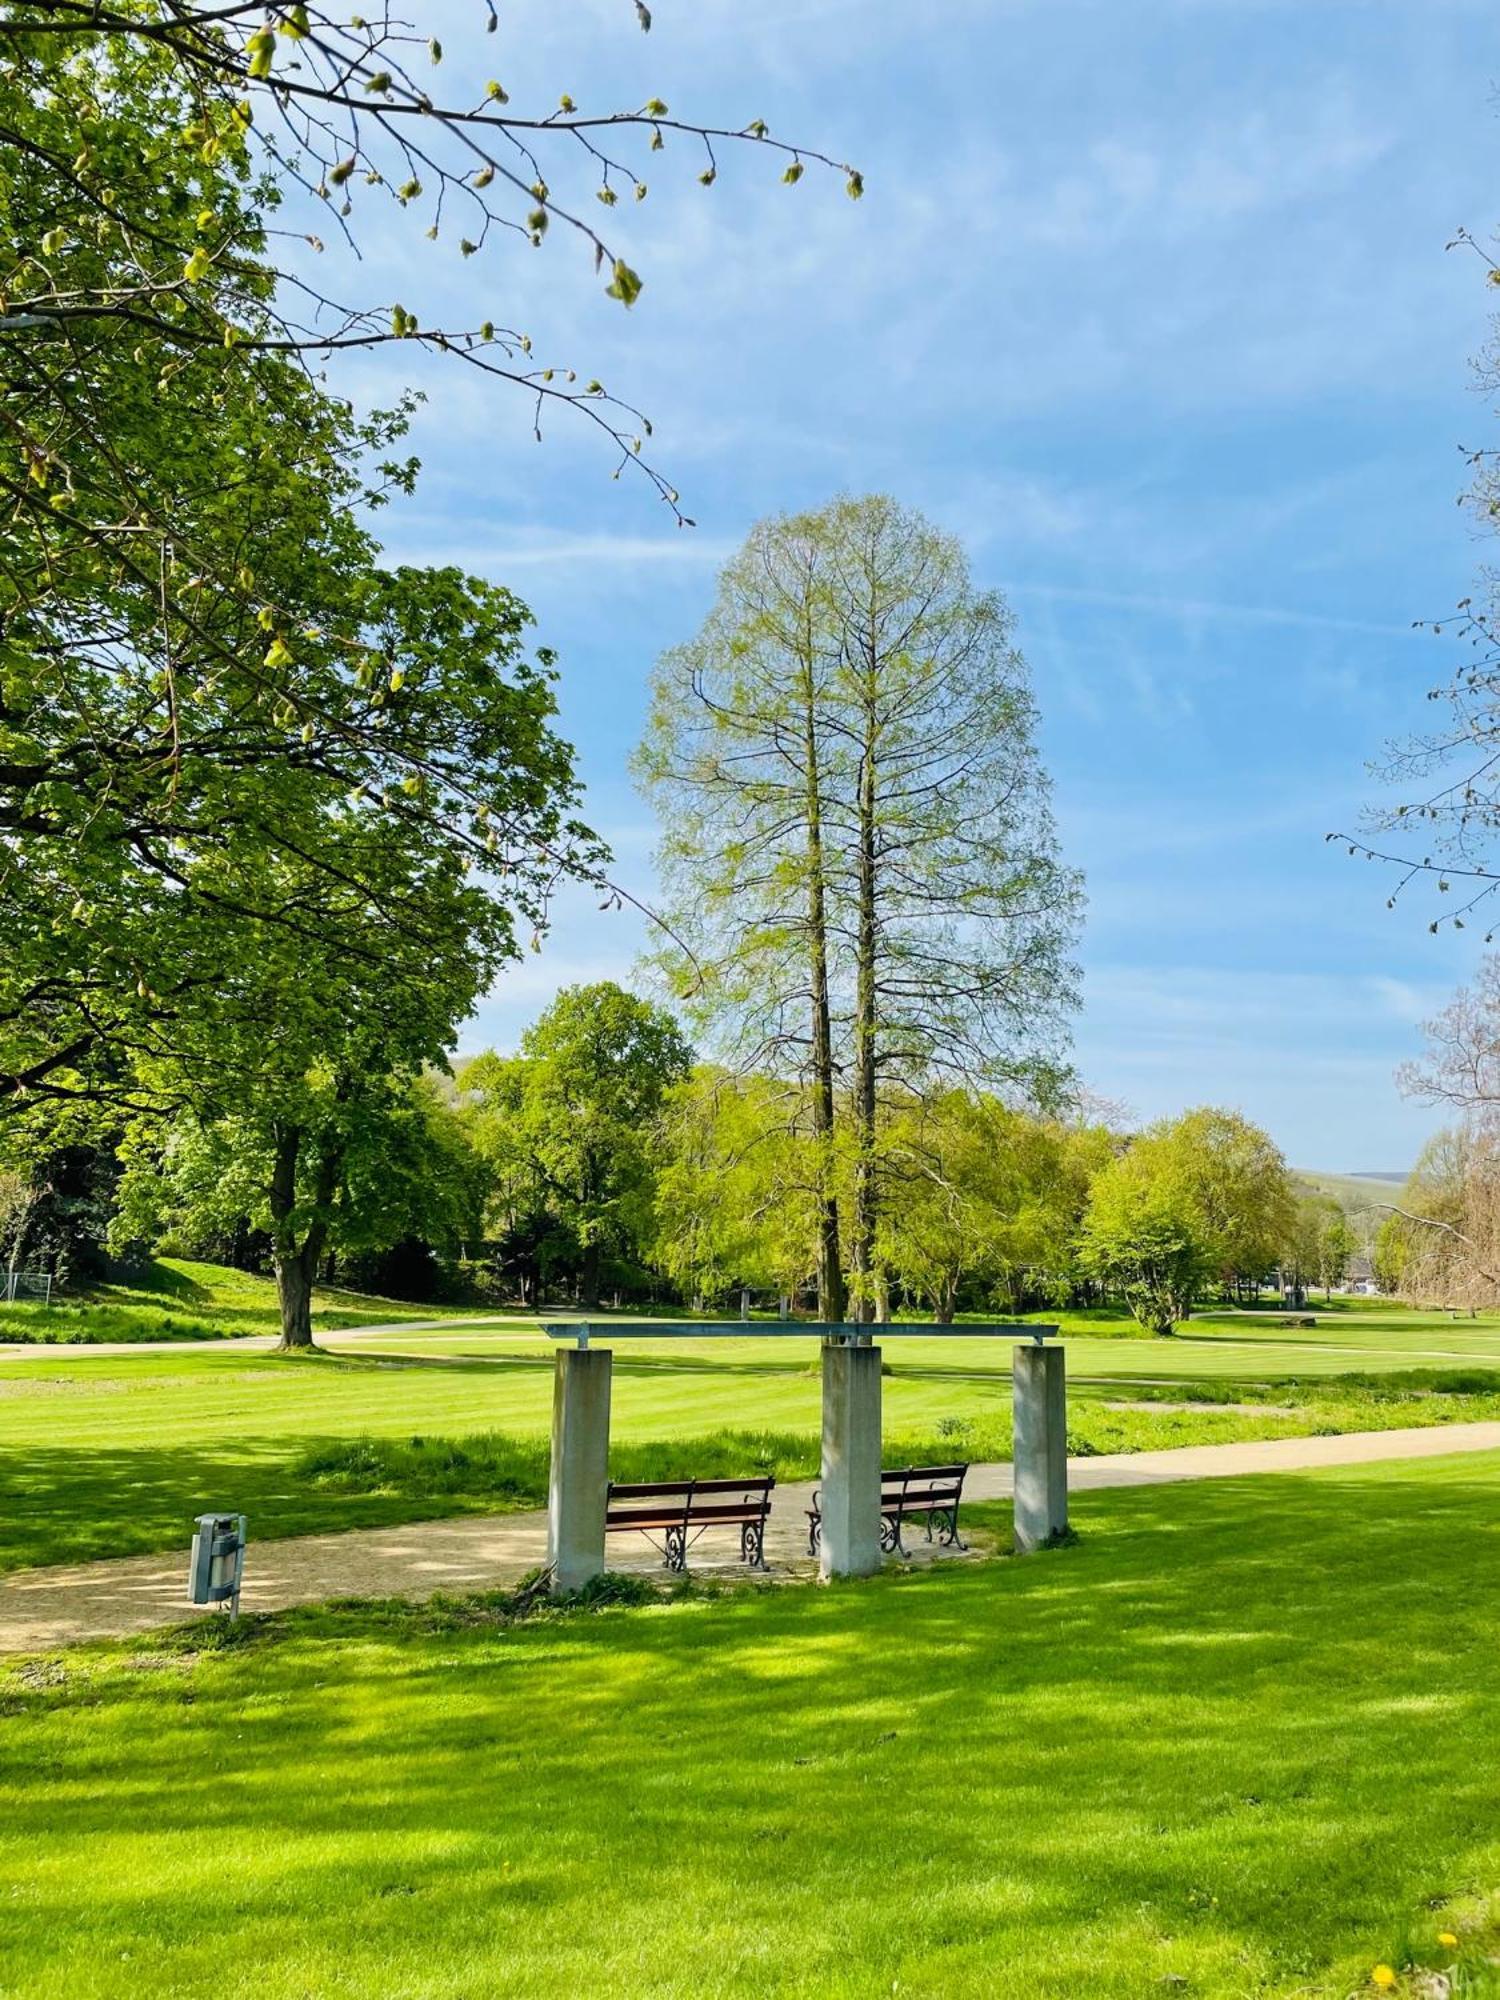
{"x": 1234, "y": 1741}
{"x": 70, "y": 1505}
{"x": 64, "y": 1505}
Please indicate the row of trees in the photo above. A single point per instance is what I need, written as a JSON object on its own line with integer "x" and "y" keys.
{"x": 602, "y": 1158}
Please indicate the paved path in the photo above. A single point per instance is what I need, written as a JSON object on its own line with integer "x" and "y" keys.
{"x": 53, "y": 1607}
{"x": 251, "y": 1343}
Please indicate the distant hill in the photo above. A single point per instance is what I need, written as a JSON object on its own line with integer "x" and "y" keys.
{"x": 1359, "y": 1195}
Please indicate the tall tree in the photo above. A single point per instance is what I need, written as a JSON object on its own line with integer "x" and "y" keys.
{"x": 735, "y": 758}
{"x": 857, "y": 835}
{"x": 953, "y": 905}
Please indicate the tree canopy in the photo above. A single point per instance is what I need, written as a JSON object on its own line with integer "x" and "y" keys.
{"x": 857, "y": 842}
{"x": 570, "y": 1125}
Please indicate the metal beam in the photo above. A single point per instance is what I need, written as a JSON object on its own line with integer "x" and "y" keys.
{"x": 843, "y": 1333}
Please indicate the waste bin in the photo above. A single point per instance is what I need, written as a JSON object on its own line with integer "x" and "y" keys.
{"x": 217, "y": 1562}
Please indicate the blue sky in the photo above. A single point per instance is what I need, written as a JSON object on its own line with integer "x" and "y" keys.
{"x": 1148, "y": 303}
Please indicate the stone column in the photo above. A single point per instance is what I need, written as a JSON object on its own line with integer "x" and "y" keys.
{"x": 851, "y": 1461}
{"x": 1041, "y": 1445}
{"x": 579, "y": 1480}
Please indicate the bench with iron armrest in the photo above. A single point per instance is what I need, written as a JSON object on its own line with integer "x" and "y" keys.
{"x": 930, "y": 1490}
{"x": 679, "y": 1510}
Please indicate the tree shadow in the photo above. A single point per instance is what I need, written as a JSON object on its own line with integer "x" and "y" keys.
{"x": 1240, "y": 1730}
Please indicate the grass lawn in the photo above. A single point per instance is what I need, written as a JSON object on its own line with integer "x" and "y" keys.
{"x": 1237, "y": 1741}
{"x": 110, "y": 1452}
{"x": 178, "y": 1299}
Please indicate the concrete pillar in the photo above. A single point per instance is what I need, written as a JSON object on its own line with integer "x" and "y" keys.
{"x": 579, "y": 1480}
{"x": 851, "y": 1461}
{"x": 1041, "y": 1445}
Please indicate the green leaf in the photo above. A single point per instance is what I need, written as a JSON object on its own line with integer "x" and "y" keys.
{"x": 626, "y": 286}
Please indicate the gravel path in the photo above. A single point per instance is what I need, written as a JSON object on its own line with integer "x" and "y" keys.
{"x": 52, "y": 1607}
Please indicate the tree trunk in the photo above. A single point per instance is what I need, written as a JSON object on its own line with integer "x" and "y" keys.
{"x": 296, "y": 1264}
{"x": 833, "y": 1300}
{"x": 294, "y": 1287}
{"x": 589, "y": 1277}
{"x": 865, "y": 1195}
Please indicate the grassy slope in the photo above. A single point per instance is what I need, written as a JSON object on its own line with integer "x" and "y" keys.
{"x": 1237, "y": 1741}
{"x": 178, "y": 1299}
{"x": 115, "y": 1453}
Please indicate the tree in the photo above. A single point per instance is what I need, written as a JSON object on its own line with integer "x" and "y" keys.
{"x": 359, "y": 939}
{"x": 734, "y": 759}
{"x": 577, "y": 1113}
{"x": 1318, "y": 1243}
{"x": 112, "y": 111}
{"x": 1337, "y": 1243}
{"x": 740, "y": 1187}
{"x": 349, "y": 1173}
{"x": 1443, "y": 1239}
{"x": 1446, "y": 823}
{"x": 1140, "y": 1238}
{"x": 1203, "y": 1195}
{"x": 990, "y": 1202}
{"x": 1236, "y": 1183}
{"x": 1441, "y": 1242}
{"x": 180, "y": 558}
{"x": 167, "y": 746}
{"x": 857, "y": 840}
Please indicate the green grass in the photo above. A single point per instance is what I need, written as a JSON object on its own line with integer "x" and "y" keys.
{"x": 178, "y": 1299}
{"x": 1237, "y": 1741}
{"x": 111, "y": 1453}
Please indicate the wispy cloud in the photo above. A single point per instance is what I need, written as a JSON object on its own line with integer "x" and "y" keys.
{"x": 511, "y": 550}
{"x": 1198, "y": 609}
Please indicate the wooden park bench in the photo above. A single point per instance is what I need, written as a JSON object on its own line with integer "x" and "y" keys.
{"x": 930, "y": 1490}
{"x": 680, "y": 1510}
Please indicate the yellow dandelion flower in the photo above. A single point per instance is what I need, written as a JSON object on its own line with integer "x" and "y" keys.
{"x": 1383, "y": 1977}
{"x": 1447, "y": 1940}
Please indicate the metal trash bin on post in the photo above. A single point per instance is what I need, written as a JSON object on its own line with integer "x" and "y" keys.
{"x": 217, "y": 1563}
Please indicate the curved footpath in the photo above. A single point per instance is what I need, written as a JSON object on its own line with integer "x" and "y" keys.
{"x": 243, "y": 1343}
{"x": 53, "y": 1607}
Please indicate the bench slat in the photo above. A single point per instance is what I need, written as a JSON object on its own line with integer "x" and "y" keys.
{"x": 729, "y": 1517}
{"x": 680, "y": 1488}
